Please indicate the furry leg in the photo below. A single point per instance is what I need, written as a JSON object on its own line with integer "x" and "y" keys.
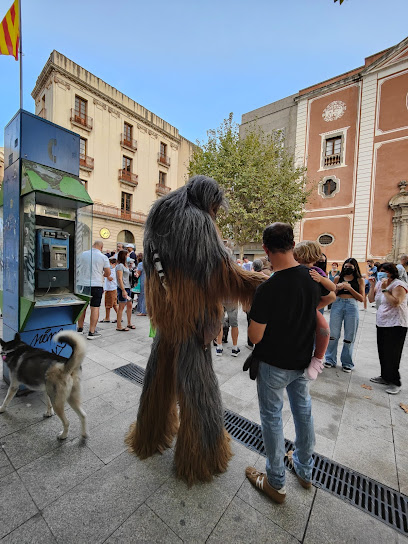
{"x": 202, "y": 448}
{"x": 74, "y": 401}
{"x": 12, "y": 390}
{"x": 59, "y": 410}
{"x": 157, "y": 418}
{"x": 50, "y": 411}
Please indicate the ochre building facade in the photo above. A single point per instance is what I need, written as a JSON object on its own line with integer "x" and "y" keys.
{"x": 129, "y": 157}
{"x": 352, "y": 136}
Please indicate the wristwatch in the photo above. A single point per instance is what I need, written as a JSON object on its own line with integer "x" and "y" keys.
{"x": 384, "y": 291}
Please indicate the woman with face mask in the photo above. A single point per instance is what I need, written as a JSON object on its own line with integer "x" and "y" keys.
{"x": 350, "y": 290}
{"x": 392, "y": 322}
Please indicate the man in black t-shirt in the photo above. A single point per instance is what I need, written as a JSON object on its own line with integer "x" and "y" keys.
{"x": 282, "y": 327}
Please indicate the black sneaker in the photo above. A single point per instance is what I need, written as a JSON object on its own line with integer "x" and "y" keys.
{"x": 80, "y": 329}
{"x": 93, "y": 335}
{"x": 235, "y": 352}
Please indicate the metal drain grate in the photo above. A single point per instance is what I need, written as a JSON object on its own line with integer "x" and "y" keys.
{"x": 377, "y": 500}
{"x": 131, "y": 372}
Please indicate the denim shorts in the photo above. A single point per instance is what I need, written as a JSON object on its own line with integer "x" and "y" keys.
{"x": 120, "y": 297}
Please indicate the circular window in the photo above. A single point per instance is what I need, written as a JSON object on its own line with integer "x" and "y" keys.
{"x": 325, "y": 239}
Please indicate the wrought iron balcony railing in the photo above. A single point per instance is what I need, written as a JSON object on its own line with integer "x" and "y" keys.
{"x": 128, "y": 177}
{"x": 82, "y": 120}
{"x": 129, "y": 143}
{"x": 85, "y": 162}
{"x": 163, "y": 159}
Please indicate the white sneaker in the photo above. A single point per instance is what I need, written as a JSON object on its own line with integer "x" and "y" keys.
{"x": 218, "y": 352}
{"x": 393, "y": 390}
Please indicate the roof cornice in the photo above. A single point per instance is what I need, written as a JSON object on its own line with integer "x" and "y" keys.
{"x": 331, "y": 87}
{"x": 50, "y": 67}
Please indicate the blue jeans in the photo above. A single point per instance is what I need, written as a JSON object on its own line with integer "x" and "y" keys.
{"x": 343, "y": 309}
{"x": 271, "y": 382}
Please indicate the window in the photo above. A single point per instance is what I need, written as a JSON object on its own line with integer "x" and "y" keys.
{"x": 332, "y": 151}
{"x": 163, "y": 149}
{"x": 328, "y": 187}
{"x": 82, "y": 147}
{"x": 84, "y": 183}
{"x": 162, "y": 178}
{"x": 127, "y": 134}
{"x": 126, "y": 164}
{"x": 80, "y": 109}
{"x": 126, "y": 203}
{"x": 325, "y": 239}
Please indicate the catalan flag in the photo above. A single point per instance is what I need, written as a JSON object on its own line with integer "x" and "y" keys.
{"x": 10, "y": 32}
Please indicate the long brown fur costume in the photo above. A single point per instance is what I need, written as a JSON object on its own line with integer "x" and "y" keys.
{"x": 187, "y": 312}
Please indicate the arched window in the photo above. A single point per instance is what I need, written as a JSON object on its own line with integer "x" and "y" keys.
{"x": 126, "y": 237}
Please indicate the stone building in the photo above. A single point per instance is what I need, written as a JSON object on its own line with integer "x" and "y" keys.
{"x": 128, "y": 156}
{"x": 351, "y": 132}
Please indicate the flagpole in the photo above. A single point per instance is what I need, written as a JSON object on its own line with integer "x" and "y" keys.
{"x": 21, "y": 56}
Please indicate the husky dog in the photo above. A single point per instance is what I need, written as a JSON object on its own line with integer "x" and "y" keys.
{"x": 41, "y": 370}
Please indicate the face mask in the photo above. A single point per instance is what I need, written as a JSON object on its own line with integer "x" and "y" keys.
{"x": 348, "y": 270}
{"x": 382, "y": 276}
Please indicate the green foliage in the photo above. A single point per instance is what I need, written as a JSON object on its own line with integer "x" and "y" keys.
{"x": 258, "y": 176}
{"x": 340, "y": 1}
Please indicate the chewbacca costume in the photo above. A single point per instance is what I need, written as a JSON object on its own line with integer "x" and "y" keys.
{"x": 189, "y": 274}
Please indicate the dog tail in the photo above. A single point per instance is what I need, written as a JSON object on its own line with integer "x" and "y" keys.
{"x": 77, "y": 343}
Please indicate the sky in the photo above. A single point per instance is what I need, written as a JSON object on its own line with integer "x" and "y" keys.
{"x": 193, "y": 62}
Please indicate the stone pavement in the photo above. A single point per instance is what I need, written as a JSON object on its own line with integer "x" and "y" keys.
{"x": 95, "y": 491}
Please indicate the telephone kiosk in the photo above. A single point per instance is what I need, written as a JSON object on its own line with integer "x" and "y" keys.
{"x": 46, "y": 214}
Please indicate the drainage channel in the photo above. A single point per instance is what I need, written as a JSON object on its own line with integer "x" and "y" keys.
{"x": 370, "y": 496}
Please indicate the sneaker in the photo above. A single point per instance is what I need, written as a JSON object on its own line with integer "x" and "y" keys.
{"x": 379, "y": 380}
{"x": 249, "y": 347}
{"x": 93, "y": 335}
{"x": 328, "y": 365}
{"x": 393, "y": 390}
{"x": 259, "y": 480}
{"x": 304, "y": 483}
{"x": 347, "y": 369}
{"x": 80, "y": 329}
{"x": 218, "y": 352}
{"x": 235, "y": 352}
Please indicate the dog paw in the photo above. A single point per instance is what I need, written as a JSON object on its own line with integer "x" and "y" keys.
{"x": 62, "y": 435}
{"x": 2, "y": 410}
{"x": 48, "y": 414}
{"x": 84, "y": 435}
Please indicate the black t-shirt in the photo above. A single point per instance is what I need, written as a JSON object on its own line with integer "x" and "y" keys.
{"x": 287, "y": 303}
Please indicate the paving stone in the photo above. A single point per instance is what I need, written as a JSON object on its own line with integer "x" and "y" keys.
{"x": 291, "y": 516}
{"x": 32, "y": 531}
{"x": 233, "y": 403}
{"x": 233, "y": 478}
{"x": 90, "y": 369}
{"x": 21, "y": 412}
{"x": 366, "y": 453}
{"x": 100, "y": 384}
{"x": 16, "y": 504}
{"x": 105, "y": 358}
{"x": 127, "y": 397}
{"x": 402, "y": 469}
{"x": 107, "y": 440}
{"x": 328, "y": 390}
{"x": 55, "y": 473}
{"x": 95, "y": 508}
{"x": 133, "y": 357}
{"x": 5, "y": 465}
{"x": 240, "y": 386}
{"x": 144, "y": 526}
{"x": 242, "y": 523}
{"x": 366, "y": 415}
{"x": 333, "y": 521}
{"x": 192, "y": 512}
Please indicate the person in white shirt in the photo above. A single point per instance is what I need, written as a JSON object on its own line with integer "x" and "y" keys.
{"x": 94, "y": 267}
{"x": 247, "y": 265}
{"x": 111, "y": 297}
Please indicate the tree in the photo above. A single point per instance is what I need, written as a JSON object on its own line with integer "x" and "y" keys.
{"x": 340, "y": 1}
{"x": 259, "y": 178}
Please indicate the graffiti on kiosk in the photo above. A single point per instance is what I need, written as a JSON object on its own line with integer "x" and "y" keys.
{"x": 45, "y": 338}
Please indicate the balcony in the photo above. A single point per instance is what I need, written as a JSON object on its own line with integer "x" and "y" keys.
{"x": 81, "y": 120}
{"x": 43, "y": 113}
{"x": 163, "y": 159}
{"x": 86, "y": 163}
{"x": 162, "y": 189}
{"x": 128, "y": 177}
{"x": 128, "y": 143}
{"x": 117, "y": 213}
{"x": 332, "y": 160}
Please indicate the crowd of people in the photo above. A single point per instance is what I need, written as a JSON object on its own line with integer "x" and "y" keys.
{"x": 120, "y": 277}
